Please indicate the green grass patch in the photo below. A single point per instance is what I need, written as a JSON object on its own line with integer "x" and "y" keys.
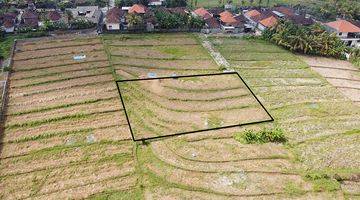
{"x": 275, "y": 135}
{"x": 176, "y": 52}
{"x": 322, "y": 182}
{"x": 292, "y": 189}
{"x": 325, "y": 185}
{"x": 134, "y": 194}
{"x": 214, "y": 122}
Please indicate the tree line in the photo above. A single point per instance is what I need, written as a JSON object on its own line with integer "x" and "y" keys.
{"x": 313, "y": 40}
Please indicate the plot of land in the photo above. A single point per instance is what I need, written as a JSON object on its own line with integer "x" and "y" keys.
{"x": 65, "y": 133}
{"x": 171, "y": 106}
{"x": 341, "y": 74}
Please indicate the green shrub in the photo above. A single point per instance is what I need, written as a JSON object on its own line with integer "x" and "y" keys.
{"x": 81, "y": 24}
{"x": 322, "y": 182}
{"x": 264, "y": 136}
{"x": 222, "y": 67}
{"x": 325, "y": 185}
{"x": 355, "y": 57}
{"x": 316, "y": 175}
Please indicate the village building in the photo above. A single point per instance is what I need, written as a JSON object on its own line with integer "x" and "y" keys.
{"x": 138, "y": 9}
{"x": 54, "y": 16}
{"x": 228, "y": 23}
{"x": 115, "y": 19}
{"x": 8, "y": 21}
{"x": 346, "y": 31}
{"x": 267, "y": 23}
{"x": 202, "y": 13}
{"x": 215, "y": 12}
{"x": 9, "y": 26}
{"x": 155, "y": 3}
{"x": 302, "y": 19}
{"x": 90, "y": 13}
{"x": 30, "y": 19}
{"x": 261, "y": 20}
{"x": 212, "y": 25}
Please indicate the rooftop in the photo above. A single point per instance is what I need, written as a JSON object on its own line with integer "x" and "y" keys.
{"x": 252, "y": 13}
{"x": 201, "y": 12}
{"x": 54, "y": 16}
{"x": 114, "y": 14}
{"x": 343, "y": 26}
{"x": 269, "y": 22}
{"x": 137, "y": 9}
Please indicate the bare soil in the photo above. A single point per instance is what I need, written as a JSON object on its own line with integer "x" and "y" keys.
{"x": 340, "y": 74}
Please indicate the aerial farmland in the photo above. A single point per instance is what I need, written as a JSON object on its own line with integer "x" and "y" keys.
{"x": 72, "y": 115}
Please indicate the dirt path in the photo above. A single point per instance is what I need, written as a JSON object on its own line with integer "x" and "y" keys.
{"x": 218, "y": 58}
{"x": 341, "y": 74}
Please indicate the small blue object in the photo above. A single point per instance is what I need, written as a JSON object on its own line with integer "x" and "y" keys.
{"x": 79, "y": 57}
{"x": 152, "y": 75}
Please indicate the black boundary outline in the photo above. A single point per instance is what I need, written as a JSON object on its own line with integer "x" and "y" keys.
{"x": 203, "y": 130}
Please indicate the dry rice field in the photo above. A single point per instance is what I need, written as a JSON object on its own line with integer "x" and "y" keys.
{"x": 66, "y": 134}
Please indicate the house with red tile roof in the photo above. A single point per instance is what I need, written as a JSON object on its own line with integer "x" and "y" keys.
{"x": 267, "y": 22}
{"x": 251, "y": 13}
{"x": 285, "y": 11}
{"x": 346, "y": 31}
{"x": 261, "y": 20}
{"x": 115, "y": 19}
{"x": 201, "y": 12}
{"x": 229, "y": 23}
{"x": 212, "y": 25}
{"x": 138, "y": 9}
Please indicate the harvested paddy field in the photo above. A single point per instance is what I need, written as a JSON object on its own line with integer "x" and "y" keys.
{"x": 162, "y": 107}
{"x": 66, "y": 133}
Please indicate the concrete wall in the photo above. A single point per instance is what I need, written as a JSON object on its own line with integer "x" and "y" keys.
{"x": 112, "y": 26}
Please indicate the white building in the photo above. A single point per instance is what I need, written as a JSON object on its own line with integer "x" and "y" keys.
{"x": 346, "y": 31}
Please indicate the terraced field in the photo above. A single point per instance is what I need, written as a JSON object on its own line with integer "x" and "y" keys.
{"x": 65, "y": 132}
{"x": 322, "y": 124}
{"x": 134, "y": 56}
{"x": 162, "y": 107}
{"x": 66, "y": 135}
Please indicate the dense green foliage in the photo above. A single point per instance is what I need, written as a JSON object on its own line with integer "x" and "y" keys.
{"x": 264, "y": 136}
{"x": 81, "y": 24}
{"x": 51, "y": 26}
{"x": 331, "y": 9}
{"x": 168, "y": 20}
{"x": 312, "y": 40}
{"x": 135, "y": 21}
{"x": 175, "y": 3}
{"x": 355, "y": 57}
{"x": 121, "y": 3}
